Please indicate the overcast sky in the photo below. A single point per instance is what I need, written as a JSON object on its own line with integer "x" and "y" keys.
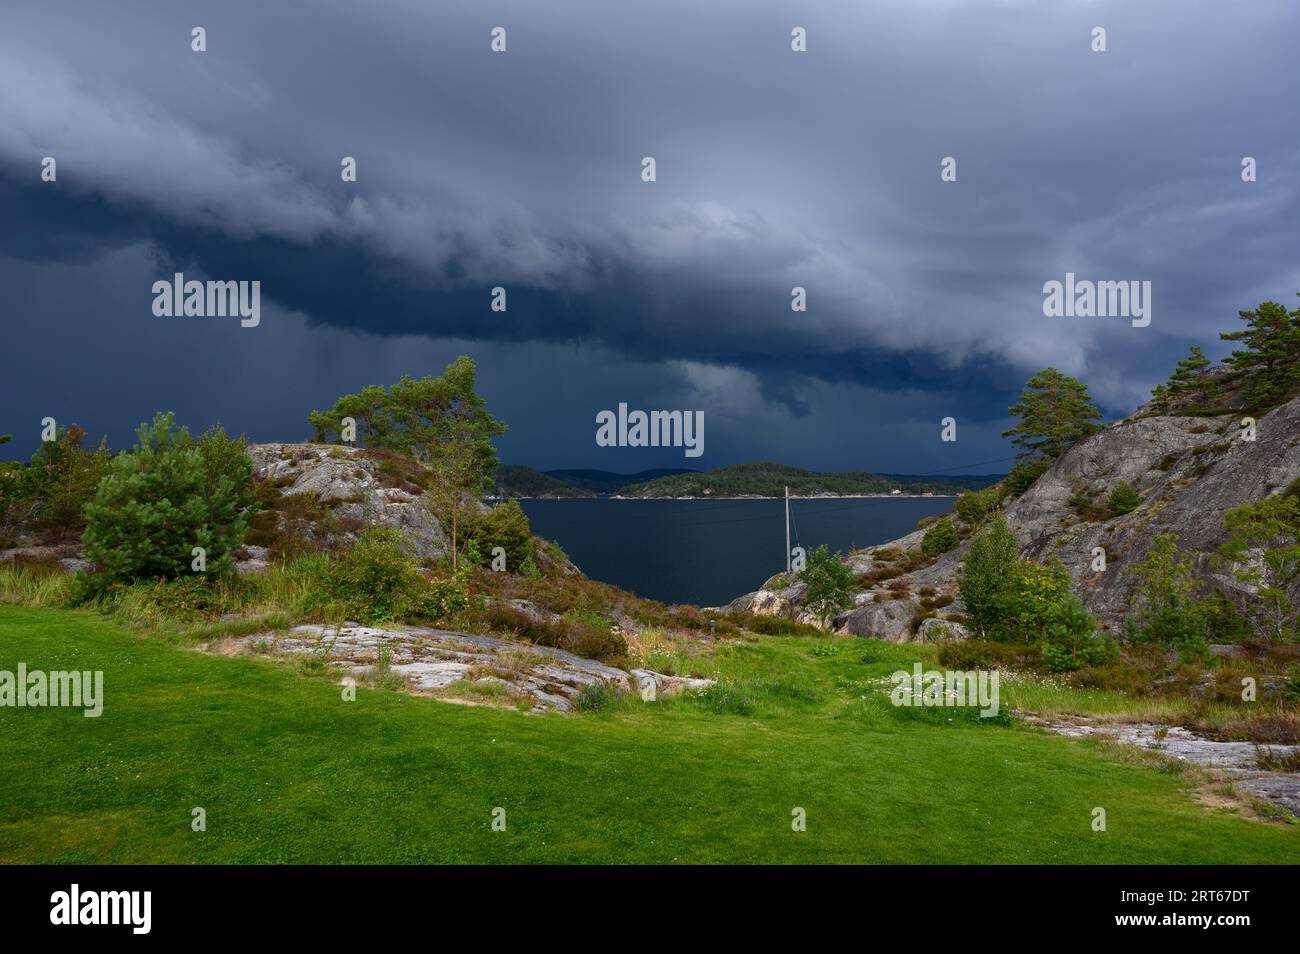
{"x": 523, "y": 169}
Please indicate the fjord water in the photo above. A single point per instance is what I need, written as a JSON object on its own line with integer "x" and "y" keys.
{"x": 711, "y": 551}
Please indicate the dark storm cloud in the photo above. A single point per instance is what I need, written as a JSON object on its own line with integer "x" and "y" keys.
{"x": 775, "y": 169}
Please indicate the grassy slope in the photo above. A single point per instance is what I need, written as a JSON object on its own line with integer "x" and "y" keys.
{"x": 288, "y": 772}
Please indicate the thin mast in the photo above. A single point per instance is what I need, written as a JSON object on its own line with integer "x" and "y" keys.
{"x": 787, "y": 529}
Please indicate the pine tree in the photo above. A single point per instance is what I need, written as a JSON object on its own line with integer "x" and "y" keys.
{"x": 1160, "y": 398}
{"x": 166, "y": 496}
{"x": 1269, "y": 365}
{"x": 1190, "y": 379}
{"x": 1055, "y": 411}
{"x": 1123, "y": 499}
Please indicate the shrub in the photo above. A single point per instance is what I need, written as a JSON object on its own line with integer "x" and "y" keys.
{"x": 940, "y": 538}
{"x": 375, "y": 581}
{"x": 53, "y": 489}
{"x": 1070, "y": 640}
{"x": 986, "y": 654}
{"x": 1123, "y": 499}
{"x": 830, "y": 584}
{"x": 165, "y": 497}
{"x": 1177, "y": 622}
{"x": 506, "y": 526}
{"x": 1224, "y": 623}
{"x": 978, "y": 505}
{"x": 1024, "y": 474}
{"x": 777, "y": 626}
{"x": 438, "y": 600}
{"x": 582, "y": 632}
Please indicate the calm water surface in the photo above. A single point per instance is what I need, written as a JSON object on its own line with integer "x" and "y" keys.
{"x": 711, "y": 551}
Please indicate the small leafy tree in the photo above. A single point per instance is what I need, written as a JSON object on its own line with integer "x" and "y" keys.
{"x": 1167, "y": 612}
{"x": 1123, "y": 499}
{"x": 62, "y": 477}
{"x": 830, "y": 584}
{"x": 940, "y": 538}
{"x": 1032, "y": 596}
{"x": 1055, "y": 411}
{"x": 1164, "y": 574}
{"x": 165, "y": 497}
{"x": 369, "y": 408}
{"x": 1264, "y": 551}
{"x": 989, "y": 574}
{"x": 440, "y": 421}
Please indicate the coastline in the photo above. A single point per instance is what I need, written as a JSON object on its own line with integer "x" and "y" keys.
{"x": 748, "y": 497}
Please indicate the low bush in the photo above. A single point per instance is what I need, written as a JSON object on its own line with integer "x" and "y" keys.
{"x": 978, "y": 505}
{"x": 777, "y": 626}
{"x": 578, "y": 632}
{"x": 986, "y": 654}
{"x": 1123, "y": 499}
{"x": 376, "y": 582}
{"x": 506, "y": 526}
{"x": 1024, "y": 474}
{"x": 940, "y": 538}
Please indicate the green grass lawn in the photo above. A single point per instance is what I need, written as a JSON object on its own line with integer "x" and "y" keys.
{"x": 289, "y": 772}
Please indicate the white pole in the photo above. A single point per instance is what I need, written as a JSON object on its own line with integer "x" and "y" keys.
{"x": 787, "y": 529}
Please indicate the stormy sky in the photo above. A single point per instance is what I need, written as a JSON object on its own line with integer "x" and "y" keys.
{"x": 522, "y": 169}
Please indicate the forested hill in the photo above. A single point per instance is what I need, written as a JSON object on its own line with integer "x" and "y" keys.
{"x": 515, "y": 480}
{"x": 770, "y": 480}
{"x": 740, "y": 480}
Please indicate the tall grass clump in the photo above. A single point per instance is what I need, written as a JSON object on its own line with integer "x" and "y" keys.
{"x": 35, "y": 584}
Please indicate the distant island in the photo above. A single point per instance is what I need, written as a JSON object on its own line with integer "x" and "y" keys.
{"x": 738, "y": 480}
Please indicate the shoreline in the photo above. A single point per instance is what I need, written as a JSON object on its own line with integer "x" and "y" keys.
{"x": 750, "y": 497}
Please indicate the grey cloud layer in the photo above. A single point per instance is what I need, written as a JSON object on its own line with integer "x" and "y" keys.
{"x": 774, "y": 169}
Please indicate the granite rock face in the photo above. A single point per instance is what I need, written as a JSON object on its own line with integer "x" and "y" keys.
{"x": 1188, "y": 470}
{"x": 350, "y": 486}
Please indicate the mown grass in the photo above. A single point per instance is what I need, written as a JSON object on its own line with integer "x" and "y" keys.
{"x": 288, "y": 771}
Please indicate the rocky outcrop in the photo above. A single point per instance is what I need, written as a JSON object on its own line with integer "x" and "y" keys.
{"x": 878, "y": 614}
{"x": 1189, "y": 471}
{"x": 350, "y": 490}
{"x": 442, "y": 662}
{"x": 1239, "y": 762}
